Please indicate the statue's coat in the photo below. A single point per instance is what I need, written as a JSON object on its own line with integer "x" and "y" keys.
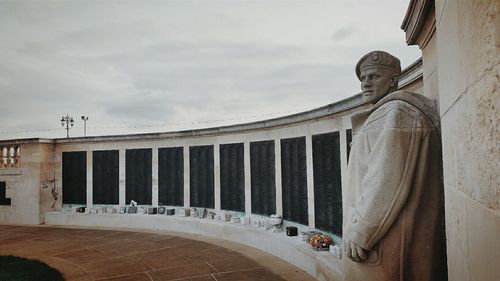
{"x": 393, "y": 202}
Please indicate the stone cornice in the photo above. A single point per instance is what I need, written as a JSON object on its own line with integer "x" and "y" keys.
{"x": 419, "y": 22}
{"x": 26, "y": 141}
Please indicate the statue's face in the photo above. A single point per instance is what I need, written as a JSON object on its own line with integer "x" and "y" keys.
{"x": 376, "y": 83}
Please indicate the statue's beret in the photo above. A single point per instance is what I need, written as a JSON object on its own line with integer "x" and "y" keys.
{"x": 379, "y": 59}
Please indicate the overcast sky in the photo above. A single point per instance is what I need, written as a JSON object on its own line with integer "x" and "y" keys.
{"x": 146, "y": 66}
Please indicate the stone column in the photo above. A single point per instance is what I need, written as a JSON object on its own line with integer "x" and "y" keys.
{"x": 121, "y": 169}
{"x": 187, "y": 189}
{"x": 90, "y": 198}
{"x": 248, "y": 183}
{"x": 468, "y": 49}
{"x": 154, "y": 176}
{"x": 310, "y": 181}
{"x": 277, "y": 175}
{"x": 217, "y": 177}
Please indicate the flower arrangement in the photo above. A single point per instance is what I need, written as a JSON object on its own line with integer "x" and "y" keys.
{"x": 320, "y": 241}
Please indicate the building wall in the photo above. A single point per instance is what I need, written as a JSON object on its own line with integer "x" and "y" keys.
{"x": 468, "y": 42}
{"x": 28, "y": 185}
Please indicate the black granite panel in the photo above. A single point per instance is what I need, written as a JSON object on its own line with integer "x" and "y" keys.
{"x": 348, "y": 134}
{"x": 232, "y": 177}
{"x": 74, "y": 177}
{"x": 201, "y": 174}
{"x": 3, "y": 199}
{"x": 105, "y": 177}
{"x": 138, "y": 175}
{"x": 327, "y": 182}
{"x": 294, "y": 179}
{"x": 263, "y": 180}
{"x": 171, "y": 176}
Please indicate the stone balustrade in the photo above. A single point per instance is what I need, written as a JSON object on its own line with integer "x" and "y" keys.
{"x": 10, "y": 156}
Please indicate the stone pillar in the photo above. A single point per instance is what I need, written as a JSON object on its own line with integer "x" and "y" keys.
{"x": 187, "y": 190}
{"x": 121, "y": 169}
{"x": 154, "y": 176}
{"x": 460, "y": 46}
{"x": 217, "y": 177}
{"x": 469, "y": 66}
{"x": 90, "y": 199}
{"x": 248, "y": 179}
{"x": 310, "y": 181}
{"x": 277, "y": 174}
{"x": 17, "y": 156}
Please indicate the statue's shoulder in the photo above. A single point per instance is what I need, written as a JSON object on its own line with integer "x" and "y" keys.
{"x": 402, "y": 109}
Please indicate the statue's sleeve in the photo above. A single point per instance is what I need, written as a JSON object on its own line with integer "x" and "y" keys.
{"x": 395, "y": 143}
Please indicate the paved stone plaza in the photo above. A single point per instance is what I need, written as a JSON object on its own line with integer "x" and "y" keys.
{"x": 99, "y": 254}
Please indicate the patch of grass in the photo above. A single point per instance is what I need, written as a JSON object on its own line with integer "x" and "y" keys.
{"x": 21, "y": 269}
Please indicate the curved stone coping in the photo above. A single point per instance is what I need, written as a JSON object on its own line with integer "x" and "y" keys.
{"x": 320, "y": 265}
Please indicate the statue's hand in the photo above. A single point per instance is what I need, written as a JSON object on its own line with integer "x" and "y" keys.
{"x": 354, "y": 252}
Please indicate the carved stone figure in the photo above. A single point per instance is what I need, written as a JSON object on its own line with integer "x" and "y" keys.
{"x": 393, "y": 204}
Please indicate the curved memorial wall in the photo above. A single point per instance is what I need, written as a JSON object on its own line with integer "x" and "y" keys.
{"x": 291, "y": 166}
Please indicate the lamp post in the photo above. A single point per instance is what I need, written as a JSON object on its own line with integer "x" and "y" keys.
{"x": 68, "y": 122}
{"x": 85, "y": 118}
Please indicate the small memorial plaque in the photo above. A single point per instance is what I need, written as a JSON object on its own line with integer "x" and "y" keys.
{"x": 291, "y": 231}
{"x": 170, "y": 212}
{"x": 161, "y": 210}
{"x": 123, "y": 210}
{"x": 132, "y": 210}
{"x": 152, "y": 210}
{"x": 80, "y": 210}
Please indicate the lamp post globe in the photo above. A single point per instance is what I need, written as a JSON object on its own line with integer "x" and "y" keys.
{"x": 67, "y": 123}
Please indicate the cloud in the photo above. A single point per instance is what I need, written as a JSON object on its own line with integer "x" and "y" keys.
{"x": 343, "y": 33}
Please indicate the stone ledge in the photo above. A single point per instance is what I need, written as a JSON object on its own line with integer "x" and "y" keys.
{"x": 320, "y": 265}
{"x": 11, "y": 171}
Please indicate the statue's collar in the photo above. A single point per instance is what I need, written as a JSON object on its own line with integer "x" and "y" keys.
{"x": 427, "y": 106}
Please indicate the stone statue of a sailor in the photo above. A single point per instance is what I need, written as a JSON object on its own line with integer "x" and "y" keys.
{"x": 393, "y": 201}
